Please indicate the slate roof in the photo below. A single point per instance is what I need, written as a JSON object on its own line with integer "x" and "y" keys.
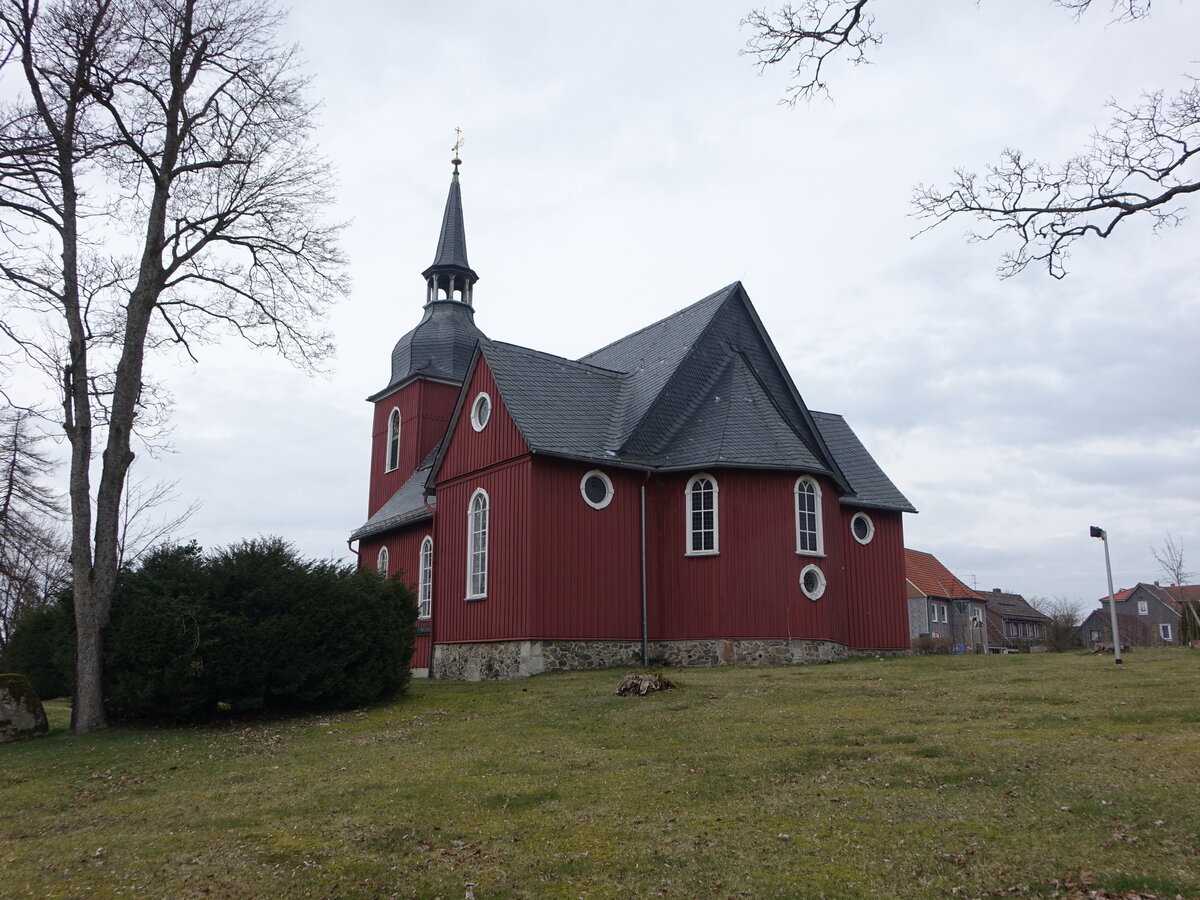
{"x": 1012, "y": 606}
{"x": 701, "y": 388}
{"x": 441, "y": 346}
{"x": 651, "y": 355}
{"x": 452, "y": 240}
{"x": 933, "y": 579}
{"x": 406, "y": 506}
{"x": 871, "y": 486}
{"x": 560, "y": 406}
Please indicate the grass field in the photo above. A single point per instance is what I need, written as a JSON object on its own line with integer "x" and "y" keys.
{"x": 916, "y": 777}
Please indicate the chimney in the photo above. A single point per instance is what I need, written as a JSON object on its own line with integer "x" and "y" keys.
{"x": 996, "y": 590}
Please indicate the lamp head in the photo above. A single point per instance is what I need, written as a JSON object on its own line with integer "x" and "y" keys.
{"x": 1098, "y": 532}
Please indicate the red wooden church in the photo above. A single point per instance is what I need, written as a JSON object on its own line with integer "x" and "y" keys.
{"x": 668, "y": 498}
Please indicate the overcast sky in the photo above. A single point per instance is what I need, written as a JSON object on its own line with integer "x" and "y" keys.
{"x": 622, "y": 161}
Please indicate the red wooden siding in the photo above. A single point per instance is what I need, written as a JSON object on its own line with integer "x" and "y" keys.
{"x": 404, "y": 558}
{"x": 505, "y": 614}
{"x": 876, "y": 608}
{"x": 425, "y": 409}
{"x": 470, "y": 450}
{"x": 751, "y": 588}
{"x": 588, "y": 561}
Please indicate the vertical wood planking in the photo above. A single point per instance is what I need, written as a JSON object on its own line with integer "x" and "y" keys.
{"x": 425, "y": 409}
{"x": 404, "y": 559}
{"x": 751, "y": 588}
{"x": 505, "y": 613}
{"x": 469, "y": 450}
{"x": 586, "y": 561}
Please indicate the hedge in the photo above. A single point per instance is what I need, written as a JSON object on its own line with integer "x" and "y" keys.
{"x": 253, "y": 626}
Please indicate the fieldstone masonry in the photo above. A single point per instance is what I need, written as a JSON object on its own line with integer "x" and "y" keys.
{"x": 502, "y": 660}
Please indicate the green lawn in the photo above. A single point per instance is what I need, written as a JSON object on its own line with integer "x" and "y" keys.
{"x": 903, "y": 777}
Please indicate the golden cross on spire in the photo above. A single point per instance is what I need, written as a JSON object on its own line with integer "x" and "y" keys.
{"x": 457, "y": 146}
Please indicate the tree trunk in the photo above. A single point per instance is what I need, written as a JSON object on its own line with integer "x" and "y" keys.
{"x": 87, "y": 702}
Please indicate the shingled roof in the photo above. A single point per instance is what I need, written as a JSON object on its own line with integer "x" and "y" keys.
{"x": 1012, "y": 606}
{"x": 703, "y": 387}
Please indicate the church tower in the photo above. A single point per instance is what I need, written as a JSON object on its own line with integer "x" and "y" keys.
{"x": 428, "y": 364}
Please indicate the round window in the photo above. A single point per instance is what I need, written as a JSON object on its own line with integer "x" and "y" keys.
{"x": 597, "y": 489}
{"x": 862, "y": 528}
{"x": 812, "y": 582}
{"x": 481, "y": 411}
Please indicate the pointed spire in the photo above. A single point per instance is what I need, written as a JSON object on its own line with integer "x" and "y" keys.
{"x": 450, "y": 277}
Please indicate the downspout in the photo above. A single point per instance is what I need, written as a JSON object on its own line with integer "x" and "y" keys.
{"x": 432, "y": 617}
{"x": 645, "y": 621}
{"x": 357, "y": 560}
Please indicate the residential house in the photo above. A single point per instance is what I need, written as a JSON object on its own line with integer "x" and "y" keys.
{"x": 1096, "y": 628}
{"x": 942, "y": 606}
{"x": 1155, "y": 608}
{"x": 1012, "y": 624}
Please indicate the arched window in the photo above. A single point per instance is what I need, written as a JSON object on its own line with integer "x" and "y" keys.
{"x": 381, "y": 564}
{"x": 393, "y": 445}
{"x": 702, "y": 530}
{"x": 425, "y": 582}
{"x": 477, "y": 545}
{"x": 809, "y": 539}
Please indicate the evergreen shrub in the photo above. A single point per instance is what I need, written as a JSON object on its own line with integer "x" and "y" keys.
{"x": 42, "y": 648}
{"x": 253, "y": 626}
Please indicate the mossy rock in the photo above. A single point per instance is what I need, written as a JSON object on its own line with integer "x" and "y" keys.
{"x": 22, "y": 715}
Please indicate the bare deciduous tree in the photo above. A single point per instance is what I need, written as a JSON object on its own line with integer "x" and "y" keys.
{"x": 157, "y": 189}
{"x": 142, "y": 527}
{"x": 1169, "y": 556}
{"x": 1142, "y": 164}
{"x": 33, "y": 559}
{"x": 1064, "y": 615}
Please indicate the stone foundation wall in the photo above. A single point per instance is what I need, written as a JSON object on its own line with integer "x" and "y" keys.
{"x": 502, "y": 660}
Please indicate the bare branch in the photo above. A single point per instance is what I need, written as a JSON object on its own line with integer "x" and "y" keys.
{"x": 1144, "y": 164}
{"x": 809, "y": 35}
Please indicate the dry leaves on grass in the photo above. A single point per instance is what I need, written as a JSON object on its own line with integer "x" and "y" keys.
{"x": 638, "y": 684}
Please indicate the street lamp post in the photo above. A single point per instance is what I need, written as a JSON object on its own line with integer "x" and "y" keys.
{"x": 1098, "y": 532}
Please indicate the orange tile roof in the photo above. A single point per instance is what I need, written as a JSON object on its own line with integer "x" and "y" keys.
{"x": 933, "y": 579}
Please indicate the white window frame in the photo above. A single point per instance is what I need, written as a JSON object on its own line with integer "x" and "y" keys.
{"x": 477, "y": 557}
{"x": 392, "y": 445}
{"x": 1164, "y": 631}
{"x": 425, "y": 579}
{"x": 381, "y": 562}
{"x": 819, "y": 528}
{"x": 818, "y": 592}
{"x": 608, "y": 497}
{"x": 691, "y": 533}
{"x": 858, "y": 515}
{"x": 1143, "y": 607}
{"x": 935, "y": 608}
{"x": 480, "y": 422}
